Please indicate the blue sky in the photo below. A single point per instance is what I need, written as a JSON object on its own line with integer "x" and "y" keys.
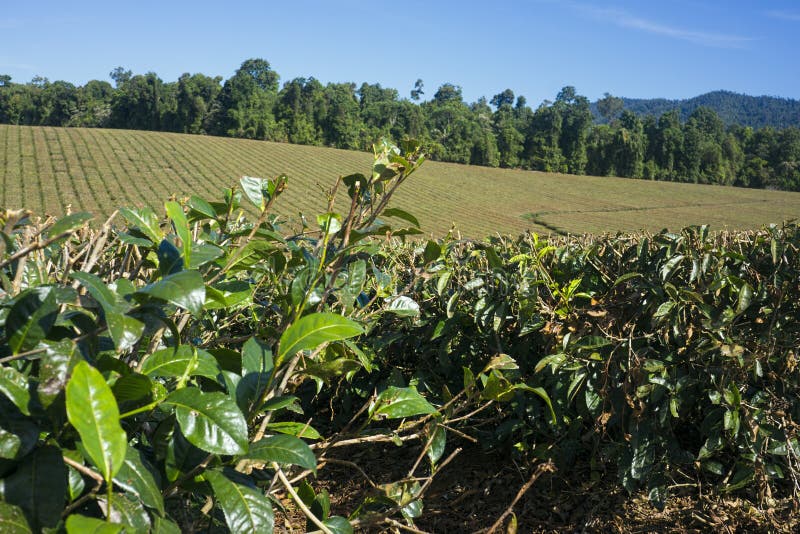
{"x": 644, "y": 49}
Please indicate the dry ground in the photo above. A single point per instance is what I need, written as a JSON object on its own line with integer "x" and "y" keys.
{"x": 476, "y": 488}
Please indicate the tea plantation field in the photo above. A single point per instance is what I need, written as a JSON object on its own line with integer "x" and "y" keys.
{"x": 45, "y": 169}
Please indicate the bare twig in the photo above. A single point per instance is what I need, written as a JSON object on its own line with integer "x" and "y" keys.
{"x": 446, "y": 461}
{"x": 397, "y": 524}
{"x": 308, "y": 513}
{"x": 540, "y": 469}
{"x": 84, "y": 470}
{"x": 33, "y": 247}
{"x": 365, "y": 439}
{"x": 348, "y": 464}
{"x": 100, "y": 243}
{"x": 460, "y": 434}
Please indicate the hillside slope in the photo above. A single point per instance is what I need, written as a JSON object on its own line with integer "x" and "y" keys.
{"x": 733, "y": 108}
{"x": 46, "y": 169}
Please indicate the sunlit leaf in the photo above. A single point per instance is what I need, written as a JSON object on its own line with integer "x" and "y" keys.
{"x": 397, "y": 403}
{"x": 210, "y": 421}
{"x": 313, "y": 330}
{"x": 81, "y": 524}
{"x": 92, "y": 410}
{"x": 185, "y": 289}
{"x": 284, "y": 450}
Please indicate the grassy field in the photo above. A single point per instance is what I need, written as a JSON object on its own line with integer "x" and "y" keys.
{"x": 46, "y": 169}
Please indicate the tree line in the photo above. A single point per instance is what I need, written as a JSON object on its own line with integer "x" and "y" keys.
{"x": 557, "y": 136}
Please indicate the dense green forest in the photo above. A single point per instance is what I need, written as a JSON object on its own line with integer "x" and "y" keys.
{"x": 733, "y": 108}
{"x": 557, "y": 136}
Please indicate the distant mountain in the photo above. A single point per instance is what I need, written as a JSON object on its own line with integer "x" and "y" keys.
{"x": 733, "y": 108}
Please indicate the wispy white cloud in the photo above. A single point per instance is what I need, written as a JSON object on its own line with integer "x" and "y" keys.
{"x": 793, "y": 16}
{"x": 626, "y": 19}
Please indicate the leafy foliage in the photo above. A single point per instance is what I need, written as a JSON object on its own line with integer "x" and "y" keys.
{"x": 189, "y": 359}
{"x": 662, "y": 354}
{"x": 170, "y": 360}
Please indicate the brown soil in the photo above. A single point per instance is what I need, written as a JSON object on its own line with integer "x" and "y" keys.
{"x": 476, "y": 488}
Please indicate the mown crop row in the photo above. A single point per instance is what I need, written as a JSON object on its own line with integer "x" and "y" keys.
{"x": 46, "y": 169}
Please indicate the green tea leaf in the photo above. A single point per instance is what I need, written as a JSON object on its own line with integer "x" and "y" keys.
{"x": 438, "y": 440}
{"x": 146, "y": 221}
{"x": 128, "y": 239}
{"x": 501, "y": 361}
{"x": 80, "y": 524}
{"x": 401, "y": 214}
{"x": 432, "y": 251}
{"x": 745, "y": 297}
{"x": 18, "y": 436}
{"x": 180, "y": 361}
{"x": 281, "y": 402}
{"x": 39, "y": 487}
{"x": 137, "y": 478}
{"x": 202, "y": 207}
{"x": 228, "y": 294}
{"x": 125, "y": 331}
{"x": 170, "y": 259}
{"x": 284, "y": 450}
{"x": 254, "y": 189}
{"x": 743, "y": 475}
{"x": 246, "y": 509}
{"x": 338, "y": 525}
{"x": 181, "y": 225}
{"x": 542, "y": 394}
{"x": 256, "y": 356}
{"x": 625, "y": 277}
{"x": 320, "y": 506}
{"x": 299, "y": 430}
{"x": 397, "y": 403}
{"x": 497, "y": 388}
{"x": 97, "y": 289}
{"x": 128, "y": 512}
{"x": 185, "y": 289}
{"x": 328, "y": 370}
{"x": 31, "y": 317}
{"x": 164, "y": 526}
{"x": 403, "y": 306}
{"x": 669, "y": 268}
{"x": 69, "y": 223}
{"x": 313, "y": 330}
{"x": 53, "y": 370}
{"x": 210, "y": 421}
{"x": 203, "y": 253}
{"x": 75, "y": 482}
{"x": 14, "y": 385}
{"x": 12, "y": 520}
{"x": 92, "y": 410}
{"x": 329, "y": 223}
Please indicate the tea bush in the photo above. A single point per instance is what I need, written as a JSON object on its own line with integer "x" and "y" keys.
{"x": 166, "y": 374}
{"x": 672, "y": 356}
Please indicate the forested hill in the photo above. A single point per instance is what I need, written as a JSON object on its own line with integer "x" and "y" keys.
{"x": 732, "y": 108}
